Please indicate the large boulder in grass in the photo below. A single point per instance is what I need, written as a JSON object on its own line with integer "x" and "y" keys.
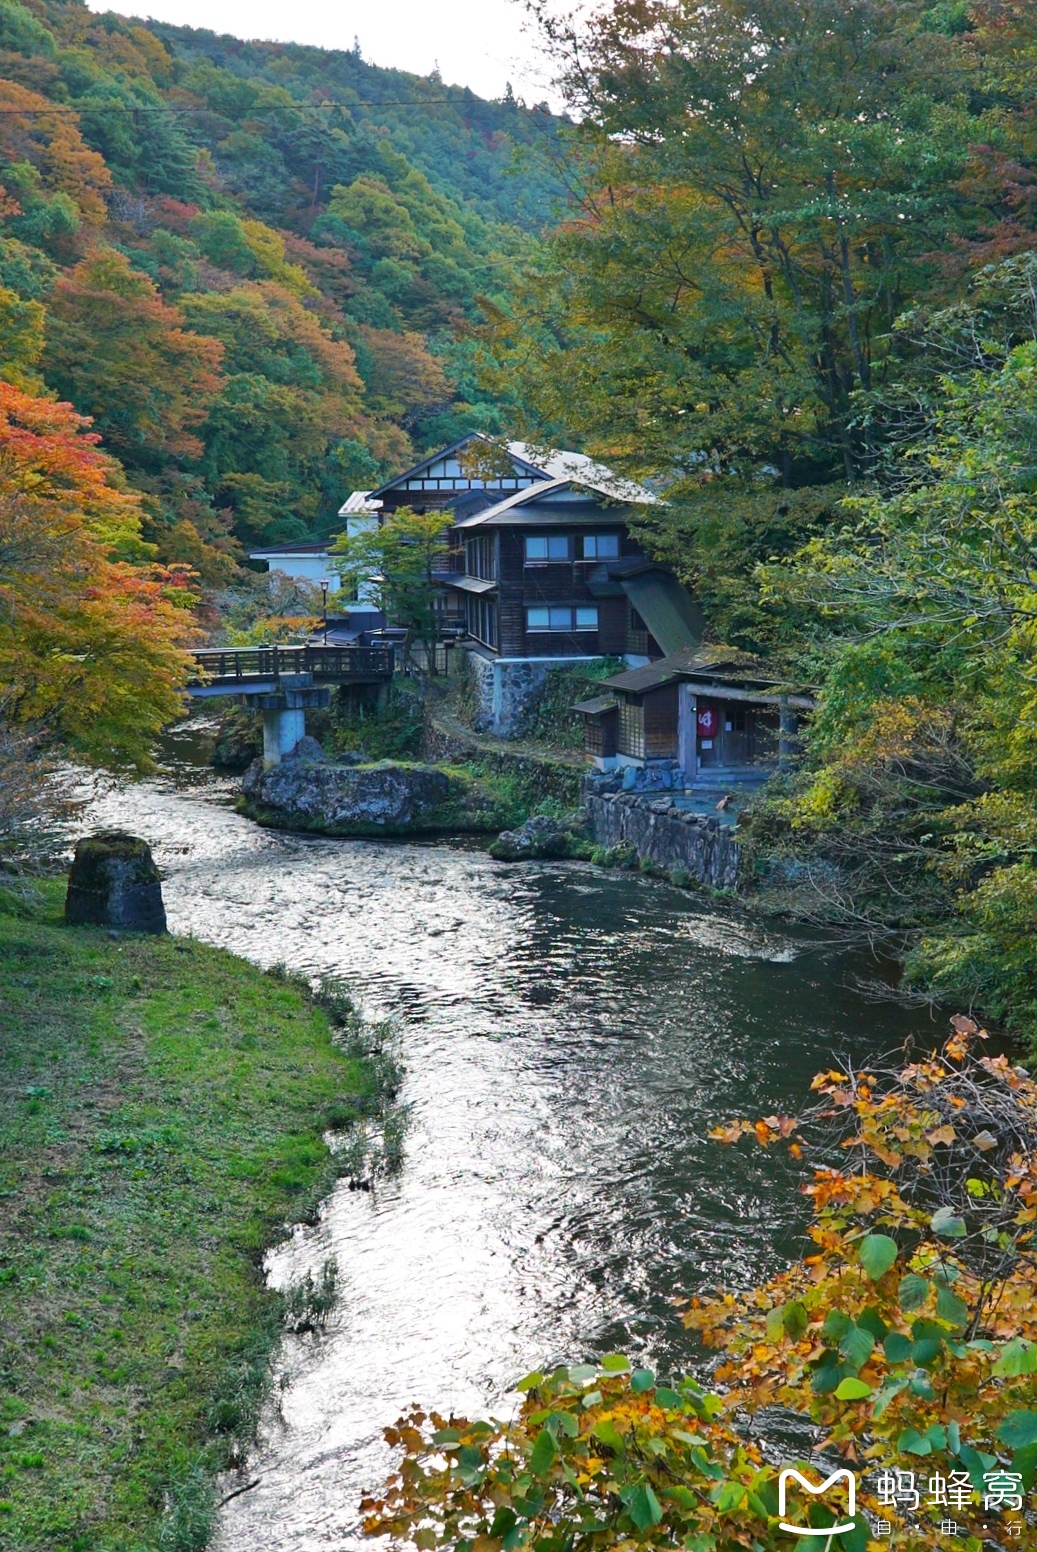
{"x": 114, "y": 883}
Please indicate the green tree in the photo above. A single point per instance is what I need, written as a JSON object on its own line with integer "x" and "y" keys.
{"x": 396, "y": 560}
{"x": 906, "y": 1334}
{"x": 290, "y": 398}
{"x": 919, "y": 804}
{"x": 763, "y": 187}
{"x": 765, "y": 183}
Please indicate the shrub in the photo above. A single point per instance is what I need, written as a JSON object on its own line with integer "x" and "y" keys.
{"x": 908, "y": 1334}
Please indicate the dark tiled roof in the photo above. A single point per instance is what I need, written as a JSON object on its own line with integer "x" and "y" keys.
{"x": 705, "y": 662}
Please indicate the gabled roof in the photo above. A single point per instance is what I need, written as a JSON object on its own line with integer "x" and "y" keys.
{"x": 714, "y": 666}
{"x": 510, "y": 509}
{"x": 542, "y": 465}
{"x": 559, "y": 464}
{"x": 635, "y": 681}
{"x": 595, "y": 707}
{"x": 711, "y": 661}
{"x": 586, "y": 471}
{"x": 359, "y": 501}
{"x": 516, "y": 449}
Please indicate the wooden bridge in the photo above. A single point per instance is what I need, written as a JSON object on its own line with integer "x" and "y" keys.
{"x": 267, "y": 670}
{"x": 286, "y": 682}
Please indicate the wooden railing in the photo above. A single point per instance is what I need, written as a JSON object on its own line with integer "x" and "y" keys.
{"x": 338, "y": 665}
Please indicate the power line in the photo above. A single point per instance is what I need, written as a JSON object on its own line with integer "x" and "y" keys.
{"x": 270, "y": 107}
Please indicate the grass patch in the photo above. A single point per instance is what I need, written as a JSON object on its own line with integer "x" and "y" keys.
{"x": 161, "y": 1115}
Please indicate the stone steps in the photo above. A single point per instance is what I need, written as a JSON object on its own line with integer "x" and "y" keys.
{"x": 724, "y": 780}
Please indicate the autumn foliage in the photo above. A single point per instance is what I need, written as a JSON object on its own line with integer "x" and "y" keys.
{"x": 906, "y": 1334}
{"x": 44, "y": 136}
{"x": 91, "y": 632}
{"x": 123, "y": 354}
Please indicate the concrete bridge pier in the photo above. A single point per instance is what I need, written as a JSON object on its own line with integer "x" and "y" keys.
{"x": 282, "y": 730}
{"x": 284, "y": 714}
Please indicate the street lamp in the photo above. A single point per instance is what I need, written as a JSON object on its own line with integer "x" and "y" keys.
{"x": 324, "y": 596}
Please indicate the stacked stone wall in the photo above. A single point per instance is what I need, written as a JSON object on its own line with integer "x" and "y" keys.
{"x": 481, "y": 671}
{"x": 517, "y": 686}
{"x": 666, "y": 837}
{"x": 504, "y": 692}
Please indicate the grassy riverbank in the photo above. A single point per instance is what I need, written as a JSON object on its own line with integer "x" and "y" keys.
{"x": 161, "y": 1117}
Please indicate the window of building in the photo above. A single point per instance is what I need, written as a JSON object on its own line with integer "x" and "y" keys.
{"x": 561, "y": 617}
{"x": 601, "y": 546}
{"x": 631, "y": 740}
{"x": 637, "y": 633}
{"x": 481, "y": 557}
{"x": 482, "y": 620}
{"x": 546, "y": 547}
{"x": 557, "y": 617}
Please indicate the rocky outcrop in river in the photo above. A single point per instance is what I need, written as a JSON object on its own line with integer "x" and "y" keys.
{"x": 309, "y": 791}
{"x": 544, "y": 837}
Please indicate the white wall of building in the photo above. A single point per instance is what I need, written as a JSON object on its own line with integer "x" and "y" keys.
{"x": 313, "y": 568}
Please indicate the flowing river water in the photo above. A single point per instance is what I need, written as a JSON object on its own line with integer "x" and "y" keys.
{"x": 570, "y": 1035}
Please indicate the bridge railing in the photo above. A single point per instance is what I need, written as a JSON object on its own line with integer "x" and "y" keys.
{"x": 222, "y": 665}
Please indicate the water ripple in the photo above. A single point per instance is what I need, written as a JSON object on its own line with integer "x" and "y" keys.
{"x": 570, "y": 1036}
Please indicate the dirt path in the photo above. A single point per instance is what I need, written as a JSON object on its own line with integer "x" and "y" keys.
{"x": 448, "y": 726}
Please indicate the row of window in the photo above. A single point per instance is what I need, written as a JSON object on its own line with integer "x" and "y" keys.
{"x": 555, "y": 547}
{"x": 452, "y": 484}
{"x": 562, "y": 617}
{"x": 481, "y": 555}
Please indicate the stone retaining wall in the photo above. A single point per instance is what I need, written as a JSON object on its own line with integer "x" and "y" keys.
{"x": 665, "y": 836}
{"x": 504, "y": 691}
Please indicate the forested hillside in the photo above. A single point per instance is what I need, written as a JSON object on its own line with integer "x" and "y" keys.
{"x": 252, "y": 265}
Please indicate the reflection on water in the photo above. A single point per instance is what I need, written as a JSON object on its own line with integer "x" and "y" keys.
{"x": 570, "y": 1036}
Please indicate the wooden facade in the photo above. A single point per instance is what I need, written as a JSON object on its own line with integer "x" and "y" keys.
{"x": 745, "y": 735}
{"x": 647, "y": 724}
{"x": 708, "y": 713}
{"x": 601, "y": 721}
{"x": 539, "y": 563}
{"x": 556, "y": 559}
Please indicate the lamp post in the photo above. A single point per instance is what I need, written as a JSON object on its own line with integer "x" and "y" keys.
{"x": 324, "y": 596}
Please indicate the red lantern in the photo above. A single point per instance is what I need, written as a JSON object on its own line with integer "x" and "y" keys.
{"x": 708, "y": 721}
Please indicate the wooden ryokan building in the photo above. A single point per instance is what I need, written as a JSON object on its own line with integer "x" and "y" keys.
{"x": 542, "y": 564}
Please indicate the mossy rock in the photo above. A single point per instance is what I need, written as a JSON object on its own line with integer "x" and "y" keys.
{"x": 114, "y": 883}
{"x": 542, "y": 838}
{"x": 388, "y": 799}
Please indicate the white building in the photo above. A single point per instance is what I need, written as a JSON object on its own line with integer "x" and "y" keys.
{"x": 312, "y": 561}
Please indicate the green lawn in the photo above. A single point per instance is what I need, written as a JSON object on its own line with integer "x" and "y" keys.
{"x": 161, "y": 1116}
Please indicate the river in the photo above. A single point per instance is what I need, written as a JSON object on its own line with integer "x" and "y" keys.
{"x": 570, "y": 1035}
